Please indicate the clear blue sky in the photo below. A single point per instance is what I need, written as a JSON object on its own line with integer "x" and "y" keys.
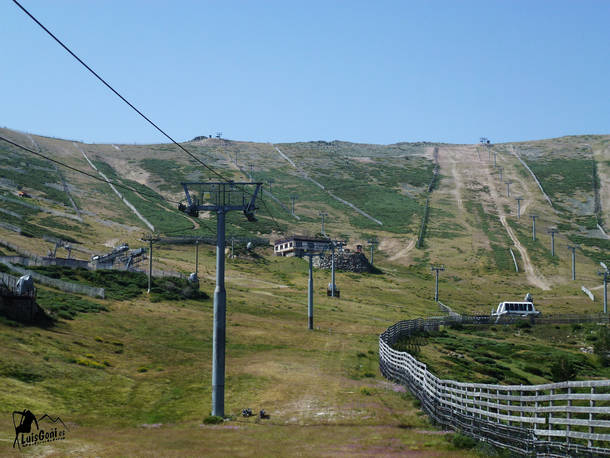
{"x": 378, "y": 72}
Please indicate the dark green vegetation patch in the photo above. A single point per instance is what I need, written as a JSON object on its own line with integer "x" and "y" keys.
{"x": 121, "y": 285}
{"x": 513, "y": 354}
{"x": 559, "y": 176}
{"x": 66, "y": 306}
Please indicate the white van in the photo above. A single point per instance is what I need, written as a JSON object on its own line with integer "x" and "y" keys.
{"x": 516, "y": 308}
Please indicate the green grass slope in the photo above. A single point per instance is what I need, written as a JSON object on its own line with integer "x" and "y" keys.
{"x": 143, "y": 360}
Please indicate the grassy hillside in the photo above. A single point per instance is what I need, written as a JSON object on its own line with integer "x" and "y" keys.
{"x": 138, "y": 368}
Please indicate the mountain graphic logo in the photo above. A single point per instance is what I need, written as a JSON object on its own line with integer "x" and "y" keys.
{"x": 26, "y": 436}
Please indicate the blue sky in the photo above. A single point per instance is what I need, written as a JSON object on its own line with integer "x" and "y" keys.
{"x": 375, "y": 72}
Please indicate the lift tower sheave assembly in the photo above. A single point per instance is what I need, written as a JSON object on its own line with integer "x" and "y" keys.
{"x": 221, "y": 198}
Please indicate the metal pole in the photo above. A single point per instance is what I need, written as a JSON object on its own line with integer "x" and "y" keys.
{"x": 508, "y": 183}
{"x": 150, "y": 263}
{"x": 332, "y": 269}
{"x": 221, "y": 204}
{"x": 552, "y": 244}
{"x": 437, "y": 270}
{"x": 606, "y": 293}
{"x": 293, "y": 198}
{"x": 605, "y": 274}
{"x": 573, "y": 248}
{"x": 534, "y": 227}
{"x": 220, "y": 314}
{"x": 310, "y": 294}
{"x": 519, "y": 199}
{"x": 494, "y": 159}
{"x": 197, "y": 258}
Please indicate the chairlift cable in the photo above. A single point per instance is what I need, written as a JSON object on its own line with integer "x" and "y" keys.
{"x": 212, "y": 170}
{"x": 114, "y": 183}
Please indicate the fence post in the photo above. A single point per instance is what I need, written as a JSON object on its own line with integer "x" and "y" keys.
{"x": 591, "y": 404}
{"x": 569, "y": 415}
{"x": 536, "y": 413}
{"x": 552, "y": 392}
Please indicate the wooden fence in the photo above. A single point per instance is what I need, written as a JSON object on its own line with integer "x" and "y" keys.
{"x": 557, "y": 419}
{"x": 59, "y": 284}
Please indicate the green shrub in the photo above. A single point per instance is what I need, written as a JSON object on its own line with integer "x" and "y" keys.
{"x": 601, "y": 347}
{"x": 534, "y": 370}
{"x": 212, "y": 420}
{"x": 66, "y": 305}
{"x": 523, "y": 324}
{"x": 462, "y": 441}
{"x": 89, "y": 363}
{"x": 563, "y": 369}
{"x": 121, "y": 285}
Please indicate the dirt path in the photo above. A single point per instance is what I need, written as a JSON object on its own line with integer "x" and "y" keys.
{"x": 458, "y": 185}
{"x": 601, "y": 155}
{"x": 530, "y": 272}
{"x": 403, "y": 253}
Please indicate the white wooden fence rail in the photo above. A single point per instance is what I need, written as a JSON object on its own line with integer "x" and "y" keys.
{"x": 566, "y": 419}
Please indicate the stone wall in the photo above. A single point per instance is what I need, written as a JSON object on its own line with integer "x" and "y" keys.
{"x": 348, "y": 262}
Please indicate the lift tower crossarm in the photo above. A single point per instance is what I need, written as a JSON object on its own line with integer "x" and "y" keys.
{"x": 221, "y": 197}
